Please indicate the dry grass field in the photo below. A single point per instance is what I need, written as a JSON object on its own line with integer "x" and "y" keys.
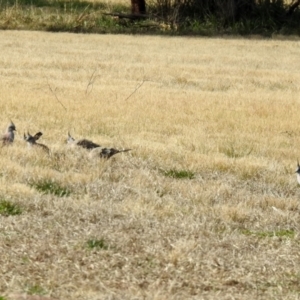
{"x": 205, "y": 206}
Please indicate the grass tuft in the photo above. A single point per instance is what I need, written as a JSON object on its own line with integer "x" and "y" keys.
{"x": 232, "y": 152}
{"x": 9, "y": 209}
{"x": 35, "y": 290}
{"x": 263, "y": 234}
{"x": 51, "y": 187}
{"x": 179, "y": 174}
{"x": 97, "y": 244}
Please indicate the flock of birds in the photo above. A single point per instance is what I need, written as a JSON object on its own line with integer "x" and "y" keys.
{"x": 95, "y": 149}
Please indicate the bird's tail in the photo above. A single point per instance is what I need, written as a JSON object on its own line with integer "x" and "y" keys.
{"x": 125, "y": 150}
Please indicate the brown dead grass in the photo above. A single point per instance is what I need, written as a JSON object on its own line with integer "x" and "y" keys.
{"x": 223, "y": 109}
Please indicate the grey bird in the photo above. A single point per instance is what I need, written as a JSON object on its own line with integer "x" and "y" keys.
{"x": 31, "y": 141}
{"x": 9, "y": 135}
{"x": 87, "y": 144}
{"x": 105, "y": 152}
{"x": 298, "y": 172}
{"x": 96, "y": 149}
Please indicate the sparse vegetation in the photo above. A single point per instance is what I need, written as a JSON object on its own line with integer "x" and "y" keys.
{"x": 206, "y": 204}
{"x": 50, "y": 187}
{"x": 233, "y": 151}
{"x": 278, "y": 233}
{"x": 8, "y": 208}
{"x": 97, "y": 244}
{"x": 179, "y": 174}
{"x": 35, "y": 290}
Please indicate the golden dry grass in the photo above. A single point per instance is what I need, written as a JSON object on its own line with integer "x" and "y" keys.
{"x": 226, "y": 110}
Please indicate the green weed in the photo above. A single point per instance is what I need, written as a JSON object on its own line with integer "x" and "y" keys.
{"x": 51, "y": 187}
{"x": 97, "y": 244}
{"x": 179, "y": 174}
{"x": 35, "y": 290}
{"x": 263, "y": 234}
{"x": 9, "y": 209}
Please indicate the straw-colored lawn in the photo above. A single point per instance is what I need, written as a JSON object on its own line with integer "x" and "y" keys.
{"x": 205, "y": 206}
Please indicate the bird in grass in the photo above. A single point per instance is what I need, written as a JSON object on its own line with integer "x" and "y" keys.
{"x": 31, "y": 141}
{"x": 96, "y": 149}
{"x": 9, "y": 135}
{"x": 105, "y": 152}
{"x": 87, "y": 144}
{"x": 298, "y": 172}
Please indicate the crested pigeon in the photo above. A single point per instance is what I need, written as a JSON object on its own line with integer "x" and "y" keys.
{"x": 298, "y": 172}
{"x": 106, "y": 152}
{"x": 31, "y": 141}
{"x": 9, "y": 135}
{"x": 96, "y": 149}
{"x": 87, "y": 144}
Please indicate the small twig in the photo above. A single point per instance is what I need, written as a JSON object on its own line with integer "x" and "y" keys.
{"x": 91, "y": 82}
{"x": 53, "y": 92}
{"x": 137, "y": 87}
